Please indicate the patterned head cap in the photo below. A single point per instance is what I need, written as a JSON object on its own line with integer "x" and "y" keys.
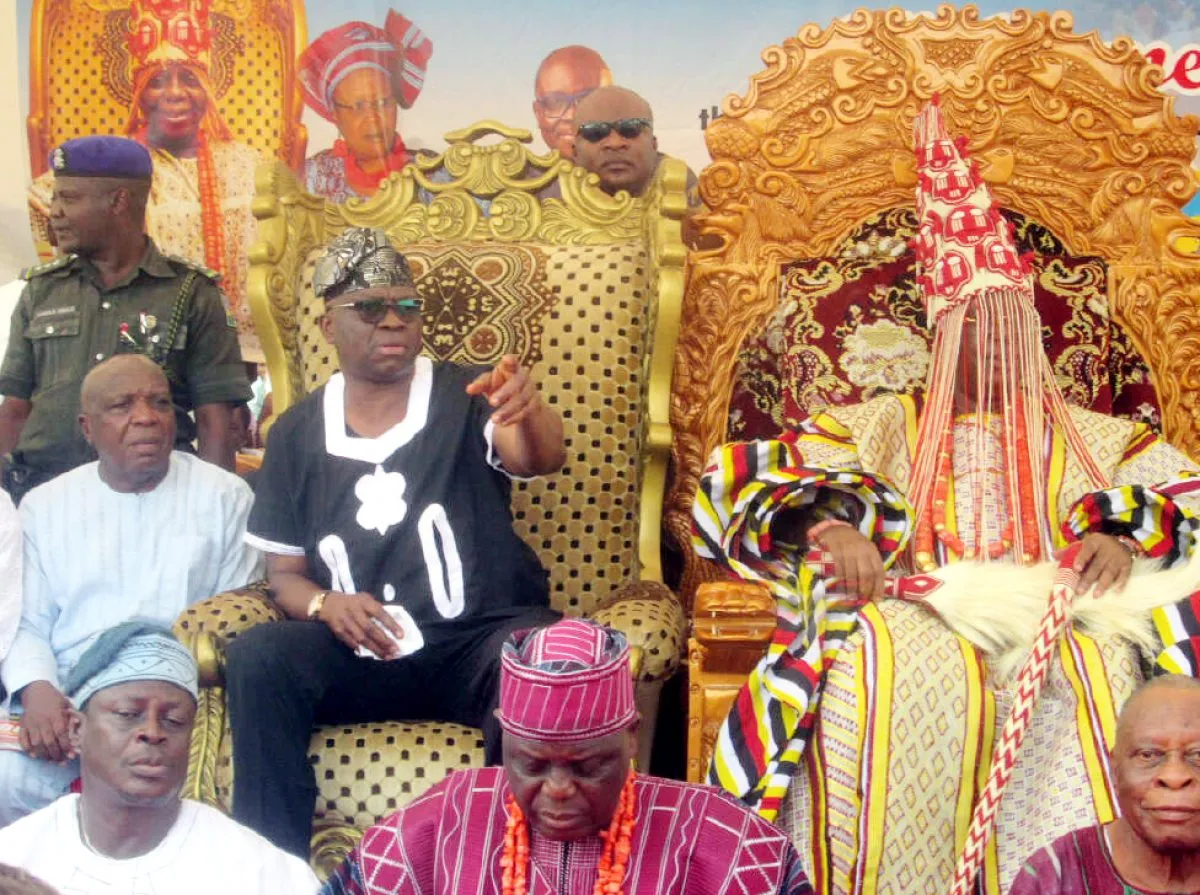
{"x": 102, "y": 156}
{"x": 359, "y": 258}
{"x": 399, "y": 50}
{"x": 569, "y": 681}
{"x": 134, "y": 651}
{"x": 964, "y": 246}
{"x": 164, "y": 31}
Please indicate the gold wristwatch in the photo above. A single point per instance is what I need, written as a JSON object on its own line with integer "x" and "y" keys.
{"x": 315, "y": 604}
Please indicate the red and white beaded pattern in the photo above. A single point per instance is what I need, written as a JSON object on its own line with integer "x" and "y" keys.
{"x": 964, "y": 246}
{"x": 1029, "y": 685}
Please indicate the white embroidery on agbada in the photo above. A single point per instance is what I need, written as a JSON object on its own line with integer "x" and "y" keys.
{"x": 382, "y": 497}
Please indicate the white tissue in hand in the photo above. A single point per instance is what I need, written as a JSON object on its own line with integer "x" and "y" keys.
{"x": 408, "y": 644}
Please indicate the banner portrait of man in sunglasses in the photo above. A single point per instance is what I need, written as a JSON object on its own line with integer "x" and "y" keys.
{"x": 614, "y": 139}
{"x": 383, "y": 509}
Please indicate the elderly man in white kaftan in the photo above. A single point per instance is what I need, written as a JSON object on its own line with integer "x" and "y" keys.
{"x": 143, "y": 532}
{"x": 992, "y": 467}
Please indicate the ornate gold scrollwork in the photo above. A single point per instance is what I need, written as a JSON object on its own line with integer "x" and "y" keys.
{"x": 1068, "y": 130}
{"x": 205, "y": 747}
{"x": 476, "y": 192}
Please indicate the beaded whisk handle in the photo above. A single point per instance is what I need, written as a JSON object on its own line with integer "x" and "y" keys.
{"x": 1029, "y": 685}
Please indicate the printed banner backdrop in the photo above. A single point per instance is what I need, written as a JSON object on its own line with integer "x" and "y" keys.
{"x": 683, "y": 57}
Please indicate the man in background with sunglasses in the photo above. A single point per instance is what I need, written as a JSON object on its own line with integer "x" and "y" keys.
{"x": 615, "y": 140}
{"x": 383, "y": 509}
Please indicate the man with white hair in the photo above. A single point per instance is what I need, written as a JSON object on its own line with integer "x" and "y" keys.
{"x": 1154, "y": 843}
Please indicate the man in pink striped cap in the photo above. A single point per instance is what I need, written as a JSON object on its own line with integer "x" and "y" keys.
{"x": 567, "y": 814}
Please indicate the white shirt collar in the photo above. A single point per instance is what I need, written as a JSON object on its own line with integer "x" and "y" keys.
{"x": 375, "y": 450}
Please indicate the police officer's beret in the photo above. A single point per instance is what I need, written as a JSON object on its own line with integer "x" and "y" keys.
{"x": 102, "y": 156}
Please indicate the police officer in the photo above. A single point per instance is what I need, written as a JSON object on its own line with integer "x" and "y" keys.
{"x": 111, "y": 291}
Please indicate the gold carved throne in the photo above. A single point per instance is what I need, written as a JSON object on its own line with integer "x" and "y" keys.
{"x": 513, "y": 253}
{"x": 79, "y": 78}
{"x": 1070, "y": 133}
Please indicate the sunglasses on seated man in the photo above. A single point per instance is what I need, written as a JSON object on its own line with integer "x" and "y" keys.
{"x": 629, "y": 128}
{"x": 372, "y": 311}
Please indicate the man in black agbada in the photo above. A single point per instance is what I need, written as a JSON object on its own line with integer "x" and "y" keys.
{"x": 383, "y": 508}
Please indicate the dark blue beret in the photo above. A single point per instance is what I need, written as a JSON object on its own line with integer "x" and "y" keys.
{"x": 102, "y": 156}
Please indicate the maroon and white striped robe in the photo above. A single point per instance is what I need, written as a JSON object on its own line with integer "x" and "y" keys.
{"x": 688, "y": 840}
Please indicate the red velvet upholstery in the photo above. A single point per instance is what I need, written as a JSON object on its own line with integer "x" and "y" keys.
{"x": 850, "y": 327}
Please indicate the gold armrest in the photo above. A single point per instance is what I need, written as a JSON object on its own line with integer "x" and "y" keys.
{"x": 732, "y": 624}
{"x": 205, "y": 627}
{"x": 650, "y": 617}
{"x": 331, "y": 845}
{"x": 210, "y": 659}
{"x": 733, "y": 614}
{"x": 637, "y": 658}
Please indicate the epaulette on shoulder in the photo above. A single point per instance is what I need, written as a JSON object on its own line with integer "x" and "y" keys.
{"x": 52, "y": 265}
{"x": 192, "y": 265}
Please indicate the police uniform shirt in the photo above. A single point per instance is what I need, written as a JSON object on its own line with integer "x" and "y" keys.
{"x": 418, "y": 517}
{"x": 67, "y": 322}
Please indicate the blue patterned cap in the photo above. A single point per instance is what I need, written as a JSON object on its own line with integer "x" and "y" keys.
{"x": 102, "y": 156}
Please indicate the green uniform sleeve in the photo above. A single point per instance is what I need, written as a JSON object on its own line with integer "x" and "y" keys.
{"x": 215, "y": 372}
{"x": 18, "y": 375}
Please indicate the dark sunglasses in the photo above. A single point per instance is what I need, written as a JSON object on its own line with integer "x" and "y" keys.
{"x": 629, "y": 128}
{"x": 372, "y": 311}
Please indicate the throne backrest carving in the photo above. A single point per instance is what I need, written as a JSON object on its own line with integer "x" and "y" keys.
{"x": 79, "y": 78}
{"x": 1069, "y": 132}
{"x": 516, "y": 253}
{"x": 851, "y": 326}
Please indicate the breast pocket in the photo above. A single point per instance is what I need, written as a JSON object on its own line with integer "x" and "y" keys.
{"x": 57, "y": 347}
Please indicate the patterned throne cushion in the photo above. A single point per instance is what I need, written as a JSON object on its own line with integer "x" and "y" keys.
{"x": 851, "y": 326}
{"x": 578, "y": 316}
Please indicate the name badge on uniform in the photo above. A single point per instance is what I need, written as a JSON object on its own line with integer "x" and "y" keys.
{"x": 53, "y": 322}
